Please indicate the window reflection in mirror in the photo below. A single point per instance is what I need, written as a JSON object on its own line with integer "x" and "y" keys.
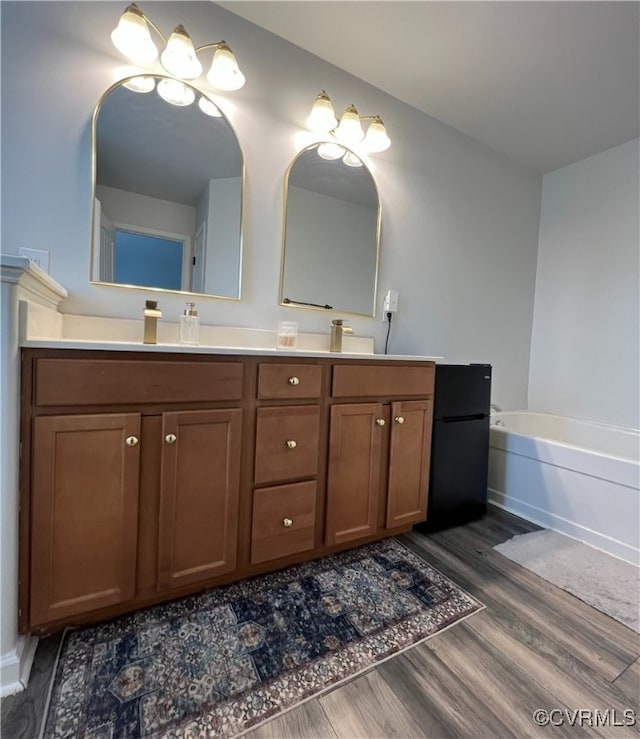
{"x": 168, "y": 183}
{"x": 331, "y": 233}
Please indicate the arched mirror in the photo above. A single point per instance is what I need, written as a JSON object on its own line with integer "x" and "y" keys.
{"x": 168, "y": 181}
{"x": 331, "y": 232}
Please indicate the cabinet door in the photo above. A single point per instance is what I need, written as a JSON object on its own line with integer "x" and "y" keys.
{"x": 409, "y": 456}
{"x": 353, "y": 483}
{"x": 84, "y": 510}
{"x": 199, "y": 495}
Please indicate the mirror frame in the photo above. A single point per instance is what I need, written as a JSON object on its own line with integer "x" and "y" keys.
{"x": 284, "y": 239}
{"x": 94, "y": 166}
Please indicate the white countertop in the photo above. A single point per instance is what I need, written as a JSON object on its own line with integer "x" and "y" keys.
{"x": 125, "y": 346}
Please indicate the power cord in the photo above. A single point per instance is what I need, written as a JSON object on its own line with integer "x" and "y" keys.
{"x": 386, "y": 342}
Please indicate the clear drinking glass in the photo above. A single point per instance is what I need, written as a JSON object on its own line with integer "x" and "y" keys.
{"x": 287, "y": 335}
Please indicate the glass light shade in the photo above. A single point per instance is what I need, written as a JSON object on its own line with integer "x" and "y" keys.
{"x": 140, "y": 84}
{"x": 350, "y": 129}
{"x": 225, "y": 73}
{"x": 209, "y": 108}
{"x": 174, "y": 92}
{"x": 179, "y": 58}
{"x": 351, "y": 160}
{"x": 322, "y": 117}
{"x": 376, "y": 138}
{"x": 329, "y": 150}
{"x": 132, "y": 37}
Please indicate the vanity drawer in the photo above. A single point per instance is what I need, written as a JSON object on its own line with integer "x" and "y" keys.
{"x": 281, "y": 381}
{"x": 286, "y": 443}
{"x": 283, "y": 521}
{"x": 353, "y": 381}
{"x": 108, "y": 382}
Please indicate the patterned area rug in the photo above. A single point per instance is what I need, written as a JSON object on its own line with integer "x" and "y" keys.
{"x": 219, "y": 663}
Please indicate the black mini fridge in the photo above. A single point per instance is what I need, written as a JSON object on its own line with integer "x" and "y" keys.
{"x": 459, "y": 446}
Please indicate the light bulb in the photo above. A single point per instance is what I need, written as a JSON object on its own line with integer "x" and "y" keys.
{"x": 179, "y": 58}
{"x": 376, "y": 138}
{"x": 209, "y": 108}
{"x": 329, "y": 150}
{"x": 352, "y": 160}
{"x": 132, "y": 37}
{"x": 322, "y": 117}
{"x": 350, "y": 129}
{"x": 175, "y": 92}
{"x": 140, "y": 84}
{"x": 224, "y": 73}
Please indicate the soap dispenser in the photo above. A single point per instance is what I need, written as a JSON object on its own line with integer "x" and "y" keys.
{"x": 189, "y": 325}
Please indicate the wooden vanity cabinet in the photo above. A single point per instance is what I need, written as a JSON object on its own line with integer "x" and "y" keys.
{"x": 150, "y": 476}
{"x": 378, "y": 468}
{"x": 199, "y": 495}
{"x": 123, "y": 508}
{"x": 379, "y": 452}
{"x": 86, "y": 486}
{"x": 84, "y": 513}
{"x": 286, "y": 506}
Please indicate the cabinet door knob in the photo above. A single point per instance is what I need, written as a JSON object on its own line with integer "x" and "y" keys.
{"x": 131, "y": 441}
{"x": 170, "y": 438}
{"x": 399, "y": 419}
{"x": 287, "y": 523}
{"x": 291, "y": 444}
{"x": 294, "y": 381}
{"x": 380, "y": 421}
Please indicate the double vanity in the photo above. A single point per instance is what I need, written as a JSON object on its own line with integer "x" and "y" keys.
{"x": 152, "y": 472}
{"x": 149, "y": 473}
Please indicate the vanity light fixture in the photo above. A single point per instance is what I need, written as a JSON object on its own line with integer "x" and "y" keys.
{"x": 348, "y": 130}
{"x": 132, "y": 38}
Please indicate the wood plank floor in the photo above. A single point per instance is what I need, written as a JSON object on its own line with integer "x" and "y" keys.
{"x": 533, "y": 647}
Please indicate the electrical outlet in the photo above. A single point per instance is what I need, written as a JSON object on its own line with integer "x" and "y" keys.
{"x": 390, "y": 304}
{"x": 37, "y": 256}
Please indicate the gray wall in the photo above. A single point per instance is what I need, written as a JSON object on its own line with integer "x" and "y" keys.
{"x": 584, "y": 349}
{"x": 459, "y": 222}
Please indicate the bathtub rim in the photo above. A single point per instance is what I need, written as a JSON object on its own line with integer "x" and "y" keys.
{"x": 505, "y": 430}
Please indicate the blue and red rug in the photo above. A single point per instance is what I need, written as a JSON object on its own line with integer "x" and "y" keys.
{"x": 224, "y": 661}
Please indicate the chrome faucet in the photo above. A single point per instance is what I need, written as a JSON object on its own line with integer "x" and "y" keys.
{"x": 495, "y": 408}
{"x": 338, "y": 330}
{"x": 151, "y": 315}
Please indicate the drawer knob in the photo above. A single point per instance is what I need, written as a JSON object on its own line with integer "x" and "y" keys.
{"x": 294, "y": 381}
{"x": 287, "y": 523}
{"x": 131, "y": 441}
{"x": 399, "y": 419}
{"x": 291, "y": 444}
{"x": 170, "y": 438}
{"x": 380, "y": 421}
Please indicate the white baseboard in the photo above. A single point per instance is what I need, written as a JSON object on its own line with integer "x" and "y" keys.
{"x": 15, "y": 666}
{"x": 550, "y": 520}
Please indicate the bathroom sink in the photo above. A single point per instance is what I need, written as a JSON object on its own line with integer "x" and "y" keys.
{"x": 42, "y": 326}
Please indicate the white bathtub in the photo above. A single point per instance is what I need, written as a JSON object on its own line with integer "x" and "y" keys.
{"x": 573, "y": 476}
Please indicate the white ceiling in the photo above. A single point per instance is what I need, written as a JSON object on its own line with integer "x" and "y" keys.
{"x": 545, "y": 83}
